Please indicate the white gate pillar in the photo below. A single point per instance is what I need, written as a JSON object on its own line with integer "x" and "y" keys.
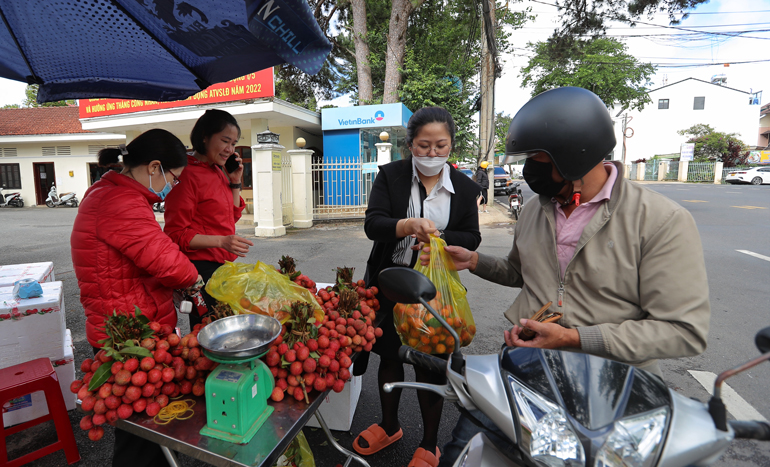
{"x": 383, "y": 153}
{"x": 662, "y": 170}
{"x": 640, "y": 171}
{"x": 683, "y": 166}
{"x": 302, "y": 187}
{"x": 718, "y": 169}
{"x": 266, "y": 173}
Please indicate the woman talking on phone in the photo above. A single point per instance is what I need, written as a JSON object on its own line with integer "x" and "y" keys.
{"x": 202, "y": 210}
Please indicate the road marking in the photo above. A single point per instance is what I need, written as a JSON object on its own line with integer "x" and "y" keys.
{"x": 733, "y": 192}
{"x": 749, "y": 207}
{"x": 756, "y": 255}
{"x": 736, "y": 405}
{"x": 694, "y": 201}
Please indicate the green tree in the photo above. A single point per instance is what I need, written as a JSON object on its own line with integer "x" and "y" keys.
{"x": 601, "y": 65}
{"x": 716, "y": 145}
{"x": 11, "y": 106}
{"x": 31, "y": 99}
{"x": 502, "y": 123}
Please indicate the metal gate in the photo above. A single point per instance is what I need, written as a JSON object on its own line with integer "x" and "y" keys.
{"x": 341, "y": 189}
{"x": 700, "y": 172}
{"x": 651, "y": 170}
{"x": 632, "y": 171}
{"x": 287, "y": 205}
{"x": 673, "y": 171}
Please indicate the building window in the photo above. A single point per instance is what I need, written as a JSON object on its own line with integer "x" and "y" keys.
{"x": 7, "y": 152}
{"x": 247, "y": 180}
{"x": 10, "y": 176}
{"x": 699, "y": 103}
{"x": 663, "y": 103}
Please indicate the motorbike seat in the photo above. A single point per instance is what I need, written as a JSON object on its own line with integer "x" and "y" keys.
{"x": 65, "y": 194}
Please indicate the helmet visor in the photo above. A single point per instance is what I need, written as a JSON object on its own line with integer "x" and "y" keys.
{"x": 513, "y": 157}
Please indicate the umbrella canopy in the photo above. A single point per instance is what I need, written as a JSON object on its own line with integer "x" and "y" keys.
{"x": 157, "y": 50}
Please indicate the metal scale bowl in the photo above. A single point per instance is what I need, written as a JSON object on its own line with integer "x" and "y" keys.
{"x": 238, "y": 388}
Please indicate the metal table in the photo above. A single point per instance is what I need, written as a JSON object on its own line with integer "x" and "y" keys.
{"x": 265, "y": 447}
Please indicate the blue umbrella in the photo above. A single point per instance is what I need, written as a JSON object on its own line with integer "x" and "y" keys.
{"x": 157, "y": 50}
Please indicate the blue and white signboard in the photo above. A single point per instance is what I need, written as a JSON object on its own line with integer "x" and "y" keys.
{"x": 687, "y": 152}
{"x": 366, "y": 116}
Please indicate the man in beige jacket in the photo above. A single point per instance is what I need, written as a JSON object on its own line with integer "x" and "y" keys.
{"x": 623, "y": 263}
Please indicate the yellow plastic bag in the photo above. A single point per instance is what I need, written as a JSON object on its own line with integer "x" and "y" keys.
{"x": 258, "y": 288}
{"x": 417, "y": 327}
{"x": 298, "y": 454}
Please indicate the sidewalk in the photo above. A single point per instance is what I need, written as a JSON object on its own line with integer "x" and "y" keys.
{"x": 498, "y": 214}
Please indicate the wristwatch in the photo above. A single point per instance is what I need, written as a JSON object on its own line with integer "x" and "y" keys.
{"x": 235, "y": 185}
{"x": 441, "y": 235}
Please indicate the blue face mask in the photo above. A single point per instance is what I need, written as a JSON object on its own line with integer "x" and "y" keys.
{"x": 166, "y": 189}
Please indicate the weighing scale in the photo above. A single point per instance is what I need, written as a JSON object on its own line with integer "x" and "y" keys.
{"x": 238, "y": 388}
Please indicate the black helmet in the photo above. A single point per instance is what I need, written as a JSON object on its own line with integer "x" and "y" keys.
{"x": 572, "y": 125}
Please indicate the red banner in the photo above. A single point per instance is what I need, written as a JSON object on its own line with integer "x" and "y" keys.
{"x": 251, "y": 86}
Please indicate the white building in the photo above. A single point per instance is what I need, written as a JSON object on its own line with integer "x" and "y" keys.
{"x": 46, "y": 145}
{"x": 679, "y": 106}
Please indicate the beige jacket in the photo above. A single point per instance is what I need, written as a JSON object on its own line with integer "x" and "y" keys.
{"x": 636, "y": 287}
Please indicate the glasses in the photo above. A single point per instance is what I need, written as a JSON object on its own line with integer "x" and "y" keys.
{"x": 176, "y": 179}
{"x": 441, "y": 152}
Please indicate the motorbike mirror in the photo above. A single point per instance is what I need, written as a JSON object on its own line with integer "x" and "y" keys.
{"x": 762, "y": 340}
{"x": 405, "y": 285}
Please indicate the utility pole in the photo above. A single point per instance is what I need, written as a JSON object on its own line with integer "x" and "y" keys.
{"x": 488, "y": 71}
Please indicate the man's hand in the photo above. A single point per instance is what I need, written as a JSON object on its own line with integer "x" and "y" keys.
{"x": 548, "y": 336}
{"x": 463, "y": 258}
{"x": 236, "y": 244}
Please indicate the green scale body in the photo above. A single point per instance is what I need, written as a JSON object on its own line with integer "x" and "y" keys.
{"x": 236, "y": 399}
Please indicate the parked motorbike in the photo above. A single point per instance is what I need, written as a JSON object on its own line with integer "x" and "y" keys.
{"x": 515, "y": 200}
{"x": 10, "y": 199}
{"x": 67, "y": 199}
{"x": 159, "y": 207}
{"x": 554, "y": 408}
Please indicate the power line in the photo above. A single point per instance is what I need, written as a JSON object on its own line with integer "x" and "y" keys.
{"x": 618, "y": 18}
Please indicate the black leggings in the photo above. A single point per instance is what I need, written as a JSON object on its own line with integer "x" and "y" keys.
{"x": 206, "y": 270}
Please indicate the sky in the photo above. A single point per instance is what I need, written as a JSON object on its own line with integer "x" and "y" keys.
{"x": 664, "y": 51}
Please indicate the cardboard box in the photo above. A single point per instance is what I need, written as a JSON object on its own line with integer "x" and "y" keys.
{"x": 41, "y": 272}
{"x": 32, "y": 328}
{"x": 338, "y": 408}
{"x": 34, "y": 405}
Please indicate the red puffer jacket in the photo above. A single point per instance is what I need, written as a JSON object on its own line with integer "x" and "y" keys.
{"x": 121, "y": 256}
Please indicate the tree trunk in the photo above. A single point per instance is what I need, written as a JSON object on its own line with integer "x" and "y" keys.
{"x": 394, "y": 58}
{"x": 365, "y": 93}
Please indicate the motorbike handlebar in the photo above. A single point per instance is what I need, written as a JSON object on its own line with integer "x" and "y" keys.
{"x": 422, "y": 360}
{"x": 751, "y": 430}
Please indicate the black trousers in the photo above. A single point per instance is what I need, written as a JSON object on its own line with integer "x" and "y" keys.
{"x": 206, "y": 270}
{"x": 134, "y": 451}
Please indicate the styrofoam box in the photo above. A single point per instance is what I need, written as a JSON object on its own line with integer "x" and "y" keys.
{"x": 338, "y": 408}
{"x": 32, "y": 328}
{"x": 32, "y": 406}
{"x": 41, "y": 272}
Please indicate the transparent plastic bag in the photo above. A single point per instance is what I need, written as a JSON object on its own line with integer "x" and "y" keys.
{"x": 417, "y": 327}
{"x": 258, "y": 288}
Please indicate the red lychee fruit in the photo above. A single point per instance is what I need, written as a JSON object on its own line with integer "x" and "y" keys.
{"x": 139, "y": 378}
{"x": 119, "y": 390}
{"x": 87, "y": 404}
{"x": 99, "y": 407}
{"x": 116, "y": 367}
{"x": 85, "y": 367}
{"x": 309, "y": 365}
{"x": 75, "y": 386}
{"x": 111, "y": 416}
{"x": 277, "y": 395}
{"x": 139, "y": 405}
{"x": 112, "y": 402}
{"x": 86, "y": 423}
{"x": 96, "y": 433}
{"x": 154, "y": 375}
{"x": 162, "y": 400}
{"x": 133, "y": 393}
{"x": 167, "y": 375}
{"x": 99, "y": 419}
{"x": 147, "y": 364}
{"x": 131, "y": 365}
{"x": 148, "y": 390}
{"x": 125, "y": 411}
{"x": 105, "y": 390}
{"x": 152, "y": 409}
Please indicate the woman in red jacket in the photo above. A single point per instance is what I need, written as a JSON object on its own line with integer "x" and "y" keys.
{"x": 202, "y": 211}
{"x": 122, "y": 258}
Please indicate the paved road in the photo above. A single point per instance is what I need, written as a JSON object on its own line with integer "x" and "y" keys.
{"x": 737, "y": 281}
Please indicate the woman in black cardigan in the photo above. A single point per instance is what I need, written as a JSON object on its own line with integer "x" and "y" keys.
{"x": 411, "y": 199}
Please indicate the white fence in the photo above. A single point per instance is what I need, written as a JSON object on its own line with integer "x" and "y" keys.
{"x": 287, "y": 202}
{"x": 341, "y": 189}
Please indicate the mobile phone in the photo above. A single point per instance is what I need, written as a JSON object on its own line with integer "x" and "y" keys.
{"x": 232, "y": 165}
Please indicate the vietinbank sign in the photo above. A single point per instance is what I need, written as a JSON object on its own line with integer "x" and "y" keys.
{"x": 365, "y": 116}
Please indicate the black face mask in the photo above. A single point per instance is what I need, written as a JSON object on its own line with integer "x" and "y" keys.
{"x": 538, "y": 177}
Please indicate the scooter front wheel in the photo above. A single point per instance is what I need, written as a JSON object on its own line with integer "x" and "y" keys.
{"x": 50, "y": 204}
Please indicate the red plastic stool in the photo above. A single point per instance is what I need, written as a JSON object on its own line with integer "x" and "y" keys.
{"x": 25, "y": 378}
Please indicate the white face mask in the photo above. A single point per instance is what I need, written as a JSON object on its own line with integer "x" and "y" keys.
{"x": 430, "y": 166}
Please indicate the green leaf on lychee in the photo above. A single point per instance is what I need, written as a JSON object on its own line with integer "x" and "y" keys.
{"x": 101, "y": 375}
{"x": 140, "y": 351}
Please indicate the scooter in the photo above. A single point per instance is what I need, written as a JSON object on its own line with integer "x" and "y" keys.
{"x": 67, "y": 199}
{"x": 554, "y": 408}
{"x": 515, "y": 200}
{"x": 10, "y": 199}
{"x": 159, "y": 207}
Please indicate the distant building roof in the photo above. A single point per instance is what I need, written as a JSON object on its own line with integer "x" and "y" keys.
{"x": 40, "y": 121}
{"x": 702, "y": 81}
{"x": 764, "y": 110}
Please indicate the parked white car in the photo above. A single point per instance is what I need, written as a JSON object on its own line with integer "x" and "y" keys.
{"x": 755, "y": 176}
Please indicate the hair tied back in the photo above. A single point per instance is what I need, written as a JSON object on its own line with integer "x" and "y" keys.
{"x": 123, "y": 153}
